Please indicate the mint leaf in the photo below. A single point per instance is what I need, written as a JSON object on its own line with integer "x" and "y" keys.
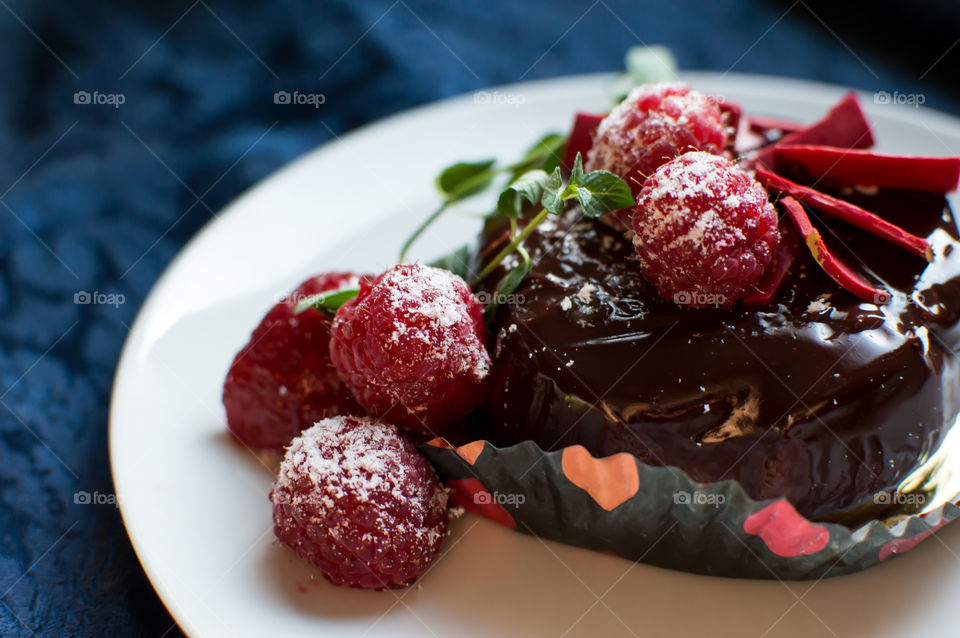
{"x": 528, "y": 188}
{"x": 600, "y": 192}
{"x": 328, "y": 302}
{"x": 650, "y": 64}
{"x": 577, "y": 173}
{"x": 552, "y": 200}
{"x": 552, "y": 161}
{"x": 645, "y": 65}
{"x": 457, "y": 262}
{"x": 456, "y": 182}
{"x": 463, "y": 179}
{"x": 555, "y": 145}
{"x": 508, "y": 285}
{"x": 546, "y": 154}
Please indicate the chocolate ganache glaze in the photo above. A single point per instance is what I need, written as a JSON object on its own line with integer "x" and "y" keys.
{"x": 820, "y": 398}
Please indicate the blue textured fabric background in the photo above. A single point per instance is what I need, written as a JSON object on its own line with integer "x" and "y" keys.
{"x": 99, "y": 198}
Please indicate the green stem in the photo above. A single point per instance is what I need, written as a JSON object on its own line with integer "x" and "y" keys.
{"x": 469, "y": 184}
{"x": 520, "y": 249}
{"x": 523, "y": 253}
{"x": 419, "y": 231}
{"x": 452, "y": 197}
{"x": 509, "y": 248}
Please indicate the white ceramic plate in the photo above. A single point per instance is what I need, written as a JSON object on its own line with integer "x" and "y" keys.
{"x": 195, "y": 504}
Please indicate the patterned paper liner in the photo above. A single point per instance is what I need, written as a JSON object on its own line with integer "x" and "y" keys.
{"x": 660, "y": 516}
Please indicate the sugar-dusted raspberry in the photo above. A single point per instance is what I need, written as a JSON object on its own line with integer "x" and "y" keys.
{"x": 705, "y": 230}
{"x": 411, "y": 346}
{"x": 654, "y": 124}
{"x": 282, "y": 380}
{"x": 356, "y": 499}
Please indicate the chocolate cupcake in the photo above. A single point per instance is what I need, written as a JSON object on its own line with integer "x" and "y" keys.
{"x": 808, "y": 359}
{"x": 820, "y": 397}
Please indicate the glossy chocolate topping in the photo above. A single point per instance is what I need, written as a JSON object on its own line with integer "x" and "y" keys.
{"x": 821, "y": 398}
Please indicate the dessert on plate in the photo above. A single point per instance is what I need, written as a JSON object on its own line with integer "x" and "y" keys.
{"x": 813, "y": 392}
{"x": 687, "y": 334}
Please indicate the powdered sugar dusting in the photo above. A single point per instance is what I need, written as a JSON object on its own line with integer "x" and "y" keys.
{"x": 431, "y": 294}
{"x": 694, "y": 176}
{"x": 820, "y": 304}
{"x": 355, "y": 498}
{"x": 435, "y": 296}
{"x": 697, "y": 176}
{"x": 585, "y": 293}
{"x": 365, "y": 463}
{"x": 364, "y": 460}
{"x": 654, "y": 120}
{"x": 703, "y": 224}
{"x": 412, "y": 346}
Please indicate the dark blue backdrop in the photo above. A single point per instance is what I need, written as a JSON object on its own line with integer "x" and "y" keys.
{"x": 97, "y": 197}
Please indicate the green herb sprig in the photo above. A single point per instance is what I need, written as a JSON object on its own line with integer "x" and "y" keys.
{"x": 598, "y": 193}
{"x": 466, "y": 179}
{"x": 645, "y": 65}
{"x": 328, "y": 302}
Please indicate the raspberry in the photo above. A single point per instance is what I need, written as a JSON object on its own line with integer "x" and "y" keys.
{"x": 356, "y": 499}
{"x": 655, "y": 123}
{"x": 411, "y": 346}
{"x": 705, "y": 230}
{"x": 283, "y": 380}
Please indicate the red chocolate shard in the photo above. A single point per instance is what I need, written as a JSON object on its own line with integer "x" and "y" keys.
{"x": 831, "y": 264}
{"x": 775, "y": 274}
{"x": 866, "y": 168}
{"x": 849, "y": 213}
{"x": 844, "y": 126}
{"x": 581, "y": 136}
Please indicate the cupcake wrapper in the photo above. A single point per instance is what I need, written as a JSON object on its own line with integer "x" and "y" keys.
{"x": 660, "y": 516}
